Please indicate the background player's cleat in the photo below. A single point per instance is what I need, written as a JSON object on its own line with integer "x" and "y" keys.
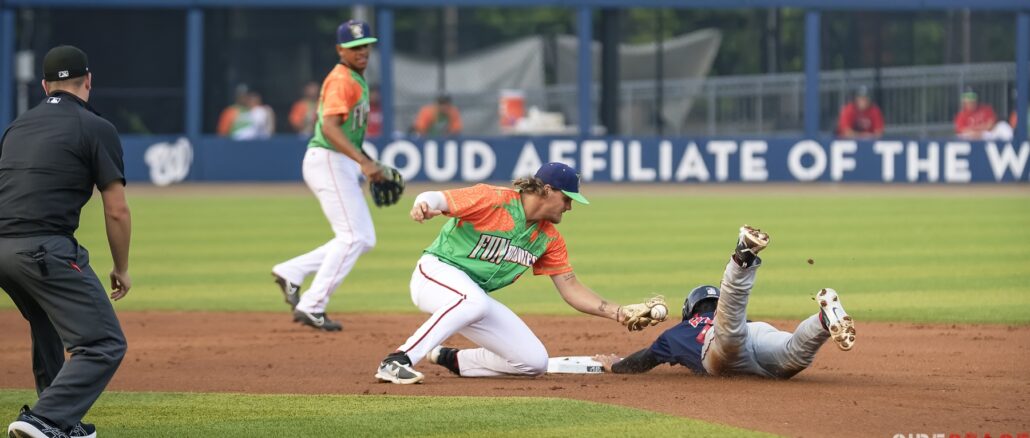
{"x": 750, "y": 242}
{"x": 317, "y": 320}
{"x": 835, "y": 319}
{"x": 29, "y": 425}
{"x": 446, "y": 357}
{"x": 291, "y": 292}
{"x": 396, "y": 368}
{"x": 83, "y": 430}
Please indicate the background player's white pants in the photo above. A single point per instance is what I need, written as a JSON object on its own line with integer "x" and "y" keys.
{"x": 459, "y": 305}
{"x": 734, "y": 346}
{"x": 335, "y": 180}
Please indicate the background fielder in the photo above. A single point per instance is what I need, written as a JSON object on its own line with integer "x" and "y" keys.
{"x": 333, "y": 166}
{"x": 494, "y": 235}
{"x": 715, "y": 337}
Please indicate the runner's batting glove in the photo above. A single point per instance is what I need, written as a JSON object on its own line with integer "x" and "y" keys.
{"x": 388, "y": 190}
{"x": 638, "y": 316}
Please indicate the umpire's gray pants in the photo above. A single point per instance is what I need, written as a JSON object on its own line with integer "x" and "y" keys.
{"x": 735, "y": 346}
{"x": 50, "y": 280}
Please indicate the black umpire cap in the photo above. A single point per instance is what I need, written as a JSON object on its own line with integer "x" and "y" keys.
{"x": 64, "y": 62}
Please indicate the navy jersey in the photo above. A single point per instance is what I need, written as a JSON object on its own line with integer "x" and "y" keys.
{"x": 681, "y": 345}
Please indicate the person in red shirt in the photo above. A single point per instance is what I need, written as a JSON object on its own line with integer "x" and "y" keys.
{"x": 975, "y": 118}
{"x": 860, "y": 118}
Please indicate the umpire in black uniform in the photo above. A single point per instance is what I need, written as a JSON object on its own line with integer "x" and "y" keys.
{"x": 51, "y": 157}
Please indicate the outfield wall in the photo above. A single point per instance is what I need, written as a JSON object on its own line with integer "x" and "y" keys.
{"x": 167, "y": 160}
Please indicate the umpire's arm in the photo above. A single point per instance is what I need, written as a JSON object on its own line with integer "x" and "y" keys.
{"x": 118, "y": 221}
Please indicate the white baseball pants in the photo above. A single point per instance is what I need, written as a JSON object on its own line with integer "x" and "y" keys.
{"x": 735, "y": 346}
{"x": 335, "y": 180}
{"x": 459, "y": 305}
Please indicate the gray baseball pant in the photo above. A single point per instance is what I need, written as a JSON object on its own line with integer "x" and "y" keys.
{"x": 50, "y": 280}
{"x": 735, "y": 346}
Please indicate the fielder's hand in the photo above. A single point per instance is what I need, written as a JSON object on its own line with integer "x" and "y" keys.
{"x": 638, "y": 316}
{"x": 387, "y": 191}
{"x": 421, "y": 212}
{"x": 372, "y": 170}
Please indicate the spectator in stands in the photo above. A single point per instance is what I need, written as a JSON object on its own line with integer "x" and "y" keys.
{"x": 860, "y": 118}
{"x": 438, "y": 118}
{"x": 975, "y": 118}
{"x": 248, "y": 119}
{"x": 234, "y": 114}
{"x": 304, "y": 111}
{"x": 375, "y": 113}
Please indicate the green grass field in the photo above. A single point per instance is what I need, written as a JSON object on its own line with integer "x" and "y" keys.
{"x": 239, "y": 415}
{"x": 925, "y": 259}
{"x": 899, "y": 258}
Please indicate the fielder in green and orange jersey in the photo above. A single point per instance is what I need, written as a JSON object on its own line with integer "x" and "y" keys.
{"x": 493, "y": 236}
{"x": 333, "y": 166}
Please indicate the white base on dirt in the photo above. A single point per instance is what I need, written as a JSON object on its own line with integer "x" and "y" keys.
{"x": 573, "y": 365}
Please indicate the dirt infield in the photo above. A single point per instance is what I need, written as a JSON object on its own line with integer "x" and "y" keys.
{"x": 900, "y": 378}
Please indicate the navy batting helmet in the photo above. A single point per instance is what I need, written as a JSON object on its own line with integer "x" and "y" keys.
{"x": 699, "y": 294}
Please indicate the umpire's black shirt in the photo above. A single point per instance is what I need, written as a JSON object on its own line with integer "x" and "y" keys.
{"x": 50, "y": 159}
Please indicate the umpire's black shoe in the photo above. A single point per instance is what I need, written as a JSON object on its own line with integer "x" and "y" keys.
{"x": 317, "y": 320}
{"x": 83, "y": 430}
{"x": 291, "y": 291}
{"x": 29, "y": 425}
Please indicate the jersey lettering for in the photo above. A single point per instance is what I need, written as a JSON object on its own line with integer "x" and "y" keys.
{"x": 496, "y": 249}
{"x": 344, "y": 93}
{"x": 488, "y": 238}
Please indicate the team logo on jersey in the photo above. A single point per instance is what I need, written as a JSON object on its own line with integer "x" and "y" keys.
{"x": 496, "y": 249}
{"x": 53, "y": 100}
{"x": 356, "y": 32}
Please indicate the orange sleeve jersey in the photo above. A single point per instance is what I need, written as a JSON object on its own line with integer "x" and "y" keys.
{"x": 344, "y": 93}
{"x": 489, "y": 239}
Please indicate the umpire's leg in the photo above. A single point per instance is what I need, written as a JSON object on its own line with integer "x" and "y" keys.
{"x": 47, "y": 351}
{"x": 64, "y": 285}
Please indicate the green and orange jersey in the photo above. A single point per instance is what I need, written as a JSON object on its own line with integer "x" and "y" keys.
{"x": 489, "y": 239}
{"x": 345, "y": 93}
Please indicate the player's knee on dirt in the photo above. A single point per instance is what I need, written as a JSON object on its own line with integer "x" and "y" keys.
{"x": 532, "y": 365}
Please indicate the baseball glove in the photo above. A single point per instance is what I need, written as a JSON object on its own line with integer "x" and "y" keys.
{"x": 638, "y": 316}
{"x": 388, "y": 190}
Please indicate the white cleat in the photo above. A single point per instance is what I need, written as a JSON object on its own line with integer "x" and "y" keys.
{"x": 839, "y": 323}
{"x": 396, "y": 372}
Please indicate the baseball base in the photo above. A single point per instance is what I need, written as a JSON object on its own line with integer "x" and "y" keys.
{"x": 573, "y": 365}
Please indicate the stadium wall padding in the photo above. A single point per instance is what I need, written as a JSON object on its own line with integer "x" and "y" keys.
{"x": 168, "y": 160}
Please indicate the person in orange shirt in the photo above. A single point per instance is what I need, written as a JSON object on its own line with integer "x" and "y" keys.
{"x": 494, "y": 235}
{"x": 304, "y": 111}
{"x": 975, "y": 118}
{"x": 438, "y": 118}
{"x": 333, "y": 167}
{"x": 231, "y": 116}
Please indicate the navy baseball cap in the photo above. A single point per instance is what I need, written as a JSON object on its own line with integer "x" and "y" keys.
{"x": 353, "y": 33}
{"x": 562, "y": 177}
{"x": 64, "y": 62}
